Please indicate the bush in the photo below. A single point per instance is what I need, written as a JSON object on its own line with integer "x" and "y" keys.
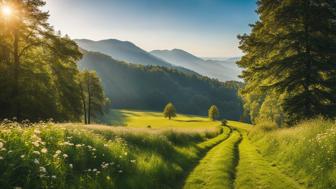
{"x": 224, "y": 122}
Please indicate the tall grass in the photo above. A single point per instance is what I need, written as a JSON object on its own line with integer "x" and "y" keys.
{"x": 46, "y": 155}
{"x": 308, "y": 150}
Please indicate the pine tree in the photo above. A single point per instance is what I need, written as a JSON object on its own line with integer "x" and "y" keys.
{"x": 213, "y": 113}
{"x": 169, "y": 111}
{"x": 291, "y": 53}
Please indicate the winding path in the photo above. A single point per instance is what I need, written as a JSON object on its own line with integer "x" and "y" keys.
{"x": 236, "y": 164}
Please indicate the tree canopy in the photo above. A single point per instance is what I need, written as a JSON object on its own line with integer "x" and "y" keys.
{"x": 169, "y": 111}
{"x": 38, "y": 70}
{"x": 290, "y": 62}
{"x": 213, "y": 112}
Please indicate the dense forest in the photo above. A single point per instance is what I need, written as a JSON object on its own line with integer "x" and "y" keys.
{"x": 151, "y": 87}
{"x": 39, "y": 78}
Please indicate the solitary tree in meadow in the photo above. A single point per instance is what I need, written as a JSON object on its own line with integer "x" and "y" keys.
{"x": 213, "y": 112}
{"x": 169, "y": 111}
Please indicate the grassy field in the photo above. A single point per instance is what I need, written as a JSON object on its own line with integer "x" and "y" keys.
{"x": 306, "y": 152}
{"x": 49, "y": 155}
{"x": 141, "y": 119}
{"x": 187, "y": 152}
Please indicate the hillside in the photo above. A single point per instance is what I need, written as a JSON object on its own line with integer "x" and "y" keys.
{"x": 223, "y": 70}
{"x": 125, "y": 51}
{"x": 151, "y": 88}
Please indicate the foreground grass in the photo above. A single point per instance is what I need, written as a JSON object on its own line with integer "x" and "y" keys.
{"x": 307, "y": 151}
{"x": 253, "y": 171}
{"x": 216, "y": 170}
{"x": 141, "y": 119}
{"x": 46, "y": 155}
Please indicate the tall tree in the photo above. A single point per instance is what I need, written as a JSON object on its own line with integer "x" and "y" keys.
{"x": 213, "y": 113}
{"x": 37, "y": 66}
{"x": 291, "y": 53}
{"x": 92, "y": 95}
{"x": 169, "y": 111}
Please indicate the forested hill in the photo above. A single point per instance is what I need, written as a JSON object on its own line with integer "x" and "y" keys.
{"x": 151, "y": 87}
{"x": 126, "y": 51}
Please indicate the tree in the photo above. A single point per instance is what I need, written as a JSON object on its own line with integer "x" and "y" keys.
{"x": 213, "y": 112}
{"x": 169, "y": 111}
{"x": 92, "y": 95}
{"x": 290, "y": 54}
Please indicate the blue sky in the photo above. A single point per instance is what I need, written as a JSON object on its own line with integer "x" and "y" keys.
{"x": 206, "y": 28}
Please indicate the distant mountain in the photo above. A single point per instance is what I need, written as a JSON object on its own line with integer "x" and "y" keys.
{"x": 151, "y": 87}
{"x": 125, "y": 51}
{"x": 223, "y": 70}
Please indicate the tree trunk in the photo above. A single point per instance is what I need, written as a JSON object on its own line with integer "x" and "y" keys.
{"x": 84, "y": 102}
{"x": 89, "y": 101}
{"x": 16, "y": 75}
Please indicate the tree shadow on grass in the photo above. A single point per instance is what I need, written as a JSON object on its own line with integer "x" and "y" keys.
{"x": 114, "y": 117}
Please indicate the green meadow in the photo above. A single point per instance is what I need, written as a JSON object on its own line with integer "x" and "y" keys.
{"x": 187, "y": 152}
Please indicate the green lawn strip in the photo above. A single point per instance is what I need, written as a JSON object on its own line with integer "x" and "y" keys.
{"x": 214, "y": 141}
{"x": 253, "y": 171}
{"x": 217, "y": 168}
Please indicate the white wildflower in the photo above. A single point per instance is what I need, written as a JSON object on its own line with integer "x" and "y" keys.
{"x": 36, "y": 152}
{"x": 36, "y": 161}
{"x": 65, "y": 155}
{"x": 43, "y": 169}
{"x": 22, "y": 156}
{"x": 44, "y": 150}
{"x": 70, "y": 165}
{"x": 1, "y": 158}
{"x": 1, "y": 145}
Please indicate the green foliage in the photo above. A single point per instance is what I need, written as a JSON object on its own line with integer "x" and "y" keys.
{"x": 93, "y": 97}
{"x": 306, "y": 151}
{"x": 213, "y": 113}
{"x": 38, "y": 68}
{"x": 152, "y": 87}
{"x": 289, "y": 63}
{"x": 169, "y": 111}
{"x": 75, "y": 156}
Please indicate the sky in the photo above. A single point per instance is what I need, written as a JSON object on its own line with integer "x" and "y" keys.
{"x": 206, "y": 28}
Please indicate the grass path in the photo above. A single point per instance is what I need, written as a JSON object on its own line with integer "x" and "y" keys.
{"x": 253, "y": 171}
{"x": 216, "y": 169}
{"x": 236, "y": 164}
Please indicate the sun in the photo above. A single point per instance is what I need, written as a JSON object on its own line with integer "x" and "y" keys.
{"x": 6, "y": 10}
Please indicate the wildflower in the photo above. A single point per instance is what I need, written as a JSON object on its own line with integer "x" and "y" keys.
{"x": 36, "y": 152}
{"x": 1, "y": 158}
{"x": 36, "y": 161}
{"x": 94, "y": 170}
{"x": 44, "y": 150}
{"x": 70, "y": 165}
{"x": 58, "y": 152}
{"x": 65, "y": 155}
{"x": 17, "y": 187}
{"x": 22, "y": 156}
{"x": 53, "y": 177}
{"x": 133, "y": 161}
{"x": 125, "y": 153}
{"x": 1, "y": 145}
{"x": 108, "y": 178}
{"x": 43, "y": 169}
{"x": 36, "y": 144}
{"x": 36, "y": 131}
{"x": 120, "y": 171}
{"x": 105, "y": 145}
